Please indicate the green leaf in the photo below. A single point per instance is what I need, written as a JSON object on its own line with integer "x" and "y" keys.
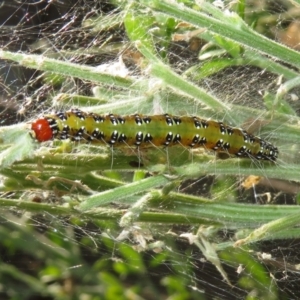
{"x": 138, "y": 27}
{"x": 18, "y": 143}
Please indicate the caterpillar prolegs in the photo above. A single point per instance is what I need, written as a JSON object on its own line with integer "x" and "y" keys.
{"x": 157, "y": 130}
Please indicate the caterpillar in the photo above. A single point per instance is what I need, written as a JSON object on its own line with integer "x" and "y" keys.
{"x": 158, "y": 130}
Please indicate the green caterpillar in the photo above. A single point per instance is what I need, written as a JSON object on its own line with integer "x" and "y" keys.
{"x": 148, "y": 131}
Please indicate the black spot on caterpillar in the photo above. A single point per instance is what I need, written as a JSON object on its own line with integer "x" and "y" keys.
{"x": 148, "y": 131}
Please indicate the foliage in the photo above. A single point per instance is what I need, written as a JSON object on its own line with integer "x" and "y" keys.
{"x": 97, "y": 220}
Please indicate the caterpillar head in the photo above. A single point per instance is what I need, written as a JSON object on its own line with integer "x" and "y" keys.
{"x": 43, "y": 131}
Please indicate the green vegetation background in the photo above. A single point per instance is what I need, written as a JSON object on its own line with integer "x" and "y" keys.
{"x": 83, "y": 222}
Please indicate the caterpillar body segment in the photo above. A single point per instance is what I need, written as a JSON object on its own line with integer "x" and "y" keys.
{"x": 157, "y": 130}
